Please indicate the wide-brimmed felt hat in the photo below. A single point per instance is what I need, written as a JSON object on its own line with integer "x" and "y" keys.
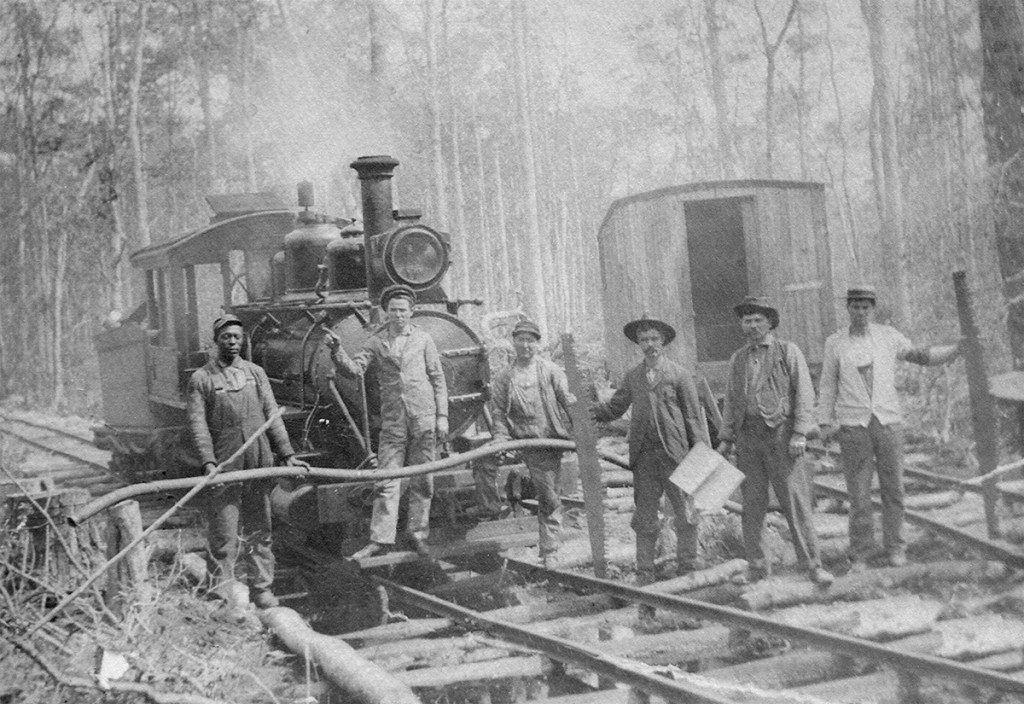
{"x": 224, "y": 321}
{"x": 632, "y": 329}
{"x": 526, "y": 326}
{"x": 758, "y": 304}
{"x": 862, "y": 292}
{"x": 396, "y": 291}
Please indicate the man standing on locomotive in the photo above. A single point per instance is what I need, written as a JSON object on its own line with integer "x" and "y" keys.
{"x": 666, "y": 422}
{"x": 229, "y": 398}
{"x": 858, "y": 394}
{"x": 768, "y": 415}
{"x": 530, "y": 399}
{"x": 414, "y": 416}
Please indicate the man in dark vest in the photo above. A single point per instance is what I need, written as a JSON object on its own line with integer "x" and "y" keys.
{"x": 229, "y": 398}
{"x": 768, "y": 415}
{"x": 666, "y": 421}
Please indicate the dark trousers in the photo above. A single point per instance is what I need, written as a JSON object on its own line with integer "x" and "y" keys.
{"x": 651, "y": 472}
{"x": 762, "y": 454}
{"x": 238, "y": 518}
{"x": 867, "y": 450}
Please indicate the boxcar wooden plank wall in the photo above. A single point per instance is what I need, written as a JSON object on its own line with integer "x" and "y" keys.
{"x": 645, "y": 263}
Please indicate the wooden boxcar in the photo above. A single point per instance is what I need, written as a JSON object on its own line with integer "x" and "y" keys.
{"x": 687, "y": 254}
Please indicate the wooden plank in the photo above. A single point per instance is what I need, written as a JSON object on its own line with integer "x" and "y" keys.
{"x": 585, "y": 435}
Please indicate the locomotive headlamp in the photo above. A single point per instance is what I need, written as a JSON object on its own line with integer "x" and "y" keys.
{"x": 416, "y": 256}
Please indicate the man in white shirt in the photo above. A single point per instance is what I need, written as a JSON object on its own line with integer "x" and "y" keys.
{"x": 859, "y": 404}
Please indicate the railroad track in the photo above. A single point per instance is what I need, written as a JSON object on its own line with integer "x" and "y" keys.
{"x": 782, "y": 640}
{"x": 68, "y": 458}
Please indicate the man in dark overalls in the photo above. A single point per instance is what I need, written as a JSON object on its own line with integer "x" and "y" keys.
{"x": 229, "y": 398}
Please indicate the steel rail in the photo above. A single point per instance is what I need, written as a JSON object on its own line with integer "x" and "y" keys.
{"x": 1005, "y": 554}
{"x": 42, "y": 445}
{"x": 612, "y": 667}
{"x": 834, "y": 642}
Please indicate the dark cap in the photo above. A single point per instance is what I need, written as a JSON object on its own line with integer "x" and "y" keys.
{"x": 526, "y": 326}
{"x": 633, "y": 328}
{"x": 758, "y": 304}
{"x": 224, "y": 321}
{"x": 396, "y": 291}
{"x": 861, "y": 292}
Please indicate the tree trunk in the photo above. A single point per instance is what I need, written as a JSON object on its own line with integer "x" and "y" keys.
{"x": 533, "y": 273}
{"x": 204, "y": 11}
{"x": 455, "y": 163}
{"x": 723, "y": 125}
{"x": 770, "y": 49}
{"x": 511, "y": 279}
{"x": 1002, "y": 99}
{"x": 135, "y": 133}
{"x": 112, "y": 196}
{"x": 485, "y": 234}
{"x": 891, "y": 215}
{"x": 434, "y": 116}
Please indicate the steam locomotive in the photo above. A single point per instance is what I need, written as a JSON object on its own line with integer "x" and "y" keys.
{"x": 290, "y": 276}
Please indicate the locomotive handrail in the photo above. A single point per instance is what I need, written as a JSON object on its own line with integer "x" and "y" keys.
{"x": 345, "y": 475}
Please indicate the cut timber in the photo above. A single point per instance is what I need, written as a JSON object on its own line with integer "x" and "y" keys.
{"x": 127, "y": 581}
{"x": 397, "y": 631}
{"x": 434, "y": 652}
{"x": 878, "y": 687}
{"x": 355, "y": 677}
{"x": 672, "y": 647}
{"x": 529, "y": 666}
{"x": 874, "y": 619}
{"x": 795, "y": 669}
{"x": 719, "y": 574}
{"x": 777, "y": 592}
{"x": 548, "y": 610}
{"x": 585, "y": 434}
{"x": 437, "y": 552}
{"x": 937, "y": 499}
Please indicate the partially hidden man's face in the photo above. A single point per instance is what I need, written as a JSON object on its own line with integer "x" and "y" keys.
{"x": 755, "y": 326}
{"x": 399, "y": 312}
{"x": 229, "y": 342}
{"x": 651, "y": 343}
{"x": 526, "y": 345}
{"x": 861, "y": 311}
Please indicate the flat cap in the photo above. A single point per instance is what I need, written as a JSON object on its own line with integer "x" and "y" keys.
{"x": 526, "y": 326}
{"x": 861, "y": 292}
{"x": 225, "y": 320}
{"x": 396, "y": 291}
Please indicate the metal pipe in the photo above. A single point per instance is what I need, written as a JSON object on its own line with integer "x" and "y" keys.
{"x": 375, "y": 173}
{"x": 337, "y": 475}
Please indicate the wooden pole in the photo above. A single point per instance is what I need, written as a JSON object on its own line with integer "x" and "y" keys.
{"x": 983, "y": 409}
{"x": 586, "y": 450}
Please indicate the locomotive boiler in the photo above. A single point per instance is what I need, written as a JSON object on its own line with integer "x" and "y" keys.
{"x": 290, "y": 276}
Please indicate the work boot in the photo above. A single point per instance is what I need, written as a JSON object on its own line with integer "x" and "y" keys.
{"x": 550, "y": 561}
{"x": 822, "y": 577}
{"x": 685, "y": 566}
{"x": 756, "y": 571}
{"x": 369, "y": 550}
{"x": 419, "y": 545}
{"x": 265, "y": 599}
{"x": 897, "y": 557}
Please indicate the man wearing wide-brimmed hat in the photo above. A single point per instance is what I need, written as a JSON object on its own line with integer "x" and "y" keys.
{"x": 228, "y": 399}
{"x": 768, "y": 415}
{"x": 530, "y": 399}
{"x": 413, "y": 414}
{"x": 858, "y": 395}
{"x": 666, "y": 422}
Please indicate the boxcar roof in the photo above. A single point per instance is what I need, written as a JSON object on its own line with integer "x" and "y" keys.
{"x": 727, "y": 185}
{"x": 210, "y": 243}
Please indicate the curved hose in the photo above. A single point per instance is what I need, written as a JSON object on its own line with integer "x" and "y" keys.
{"x": 339, "y": 475}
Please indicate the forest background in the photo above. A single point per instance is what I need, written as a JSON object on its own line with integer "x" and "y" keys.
{"x": 517, "y": 123}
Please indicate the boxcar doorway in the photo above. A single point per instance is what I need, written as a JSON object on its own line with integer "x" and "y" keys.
{"x": 718, "y": 272}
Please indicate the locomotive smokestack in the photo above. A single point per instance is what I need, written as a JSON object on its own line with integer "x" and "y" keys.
{"x": 375, "y": 173}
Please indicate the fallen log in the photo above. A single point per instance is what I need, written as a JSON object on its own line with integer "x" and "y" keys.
{"x": 355, "y": 677}
{"x": 719, "y": 574}
{"x": 529, "y": 666}
{"x": 548, "y": 610}
{"x": 932, "y": 500}
{"x": 874, "y": 619}
{"x": 397, "y": 631}
{"x": 672, "y": 647}
{"x": 779, "y": 592}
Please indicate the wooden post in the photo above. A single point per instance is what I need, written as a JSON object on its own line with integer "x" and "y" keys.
{"x": 983, "y": 411}
{"x": 585, "y": 435}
